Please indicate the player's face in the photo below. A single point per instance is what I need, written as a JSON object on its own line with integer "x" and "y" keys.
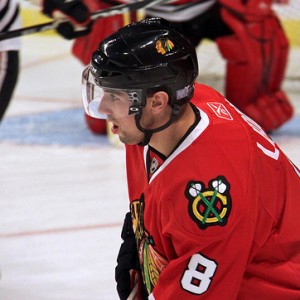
{"x": 100, "y": 101}
{"x": 115, "y": 105}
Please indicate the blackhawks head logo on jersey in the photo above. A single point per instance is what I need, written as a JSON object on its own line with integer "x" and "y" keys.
{"x": 209, "y": 206}
{"x": 151, "y": 261}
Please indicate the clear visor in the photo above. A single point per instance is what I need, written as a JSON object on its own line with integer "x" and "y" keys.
{"x": 100, "y": 102}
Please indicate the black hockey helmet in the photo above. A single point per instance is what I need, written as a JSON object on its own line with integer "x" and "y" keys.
{"x": 146, "y": 57}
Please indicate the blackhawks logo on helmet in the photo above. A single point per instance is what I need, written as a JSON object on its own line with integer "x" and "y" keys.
{"x": 209, "y": 205}
{"x": 164, "y": 45}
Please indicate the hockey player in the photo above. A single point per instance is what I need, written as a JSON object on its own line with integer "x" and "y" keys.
{"x": 9, "y": 53}
{"x": 213, "y": 200}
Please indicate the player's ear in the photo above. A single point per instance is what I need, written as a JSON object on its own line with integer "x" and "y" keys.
{"x": 159, "y": 101}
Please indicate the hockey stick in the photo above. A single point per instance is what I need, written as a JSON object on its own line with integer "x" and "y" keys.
{"x": 103, "y": 13}
{"x": 134, "y": 291}
{"x": 133, "y": 294}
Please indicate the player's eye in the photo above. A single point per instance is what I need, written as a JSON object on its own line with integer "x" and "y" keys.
{"x": 114, "y": 97}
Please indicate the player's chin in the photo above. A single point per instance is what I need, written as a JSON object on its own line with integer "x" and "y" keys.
{"x": 129, "y": 139}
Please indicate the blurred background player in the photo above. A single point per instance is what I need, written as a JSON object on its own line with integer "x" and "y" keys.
{"x": 9, "y": 53}
{"x": 248, "y": 35}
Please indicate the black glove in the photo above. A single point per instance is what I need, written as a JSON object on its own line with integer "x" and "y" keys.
{"x": 76, "y": 11}
{"x": 127, "y": 260}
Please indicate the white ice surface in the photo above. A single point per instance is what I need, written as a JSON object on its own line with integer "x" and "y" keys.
{"x": 63, "y": 189}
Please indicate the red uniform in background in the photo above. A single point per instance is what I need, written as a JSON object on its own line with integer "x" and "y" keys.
{"x": 256, "y": 55}
{"x": 213, "y": 226}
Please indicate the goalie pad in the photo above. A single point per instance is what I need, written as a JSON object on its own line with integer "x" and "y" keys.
{"x": 270, "y": 111}
{"x": 256, "y": 55}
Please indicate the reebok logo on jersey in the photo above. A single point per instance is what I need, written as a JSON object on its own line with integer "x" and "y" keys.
{"x": 220, "y": 110}
{"x": 210, "y": 205}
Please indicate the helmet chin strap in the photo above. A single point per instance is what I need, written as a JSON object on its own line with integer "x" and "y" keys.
{"x": 149, "y": 132}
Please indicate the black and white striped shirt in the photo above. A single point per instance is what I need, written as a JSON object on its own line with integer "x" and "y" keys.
{"x": 174, "y": 10}
{"x": 9, "y": 20}
{"x": 180, "y": 12}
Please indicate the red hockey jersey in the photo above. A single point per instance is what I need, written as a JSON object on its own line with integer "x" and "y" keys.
{"x": 219, "y": 218}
